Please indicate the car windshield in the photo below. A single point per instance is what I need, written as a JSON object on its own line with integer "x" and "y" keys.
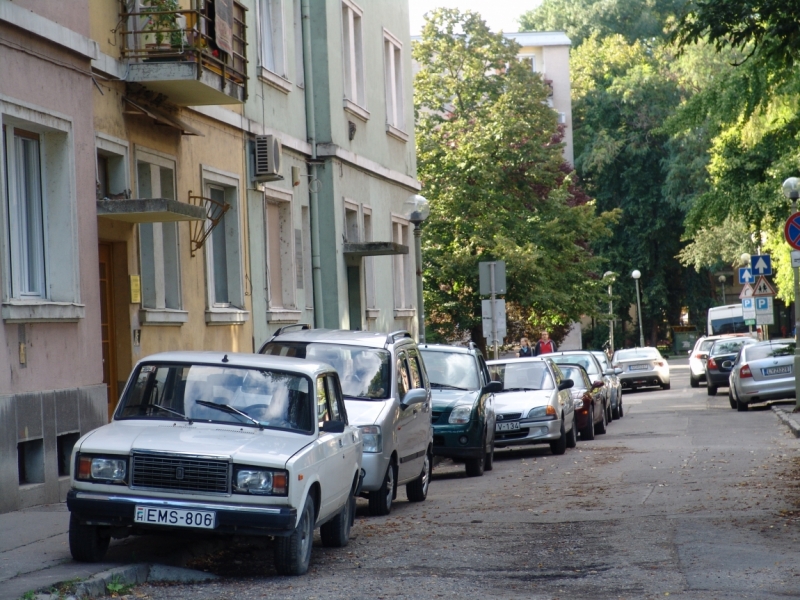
{"x": 602, "y": 359}
{"x": 451, "y": 369}
{"x": 728, "y": 346}
{"x": 757, "y": 352}
{"x": 706, "y": 345}
{"x": 238, "y": 396}
{"x": 583, "y": 360}
{"x": 636, "y": 353}
{"x": 574, "y": 373}
{"x": 522, "y": 375}
{"x": 364, "y": 372}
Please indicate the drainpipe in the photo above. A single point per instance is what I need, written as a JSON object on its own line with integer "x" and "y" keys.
{"x": 313, "y": 182}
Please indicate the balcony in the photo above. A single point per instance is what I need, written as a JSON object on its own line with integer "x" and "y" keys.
{"x": 193, "y": 56}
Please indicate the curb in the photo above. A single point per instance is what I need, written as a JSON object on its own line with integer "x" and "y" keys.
{"x": 793, "y": 425}
{"x": 97, "y": 585}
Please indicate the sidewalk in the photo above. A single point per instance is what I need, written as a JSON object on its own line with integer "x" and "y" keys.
{"x": 784, "y": 413}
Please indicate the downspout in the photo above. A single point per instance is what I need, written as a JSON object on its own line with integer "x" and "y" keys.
{"x": 313, "y": 182}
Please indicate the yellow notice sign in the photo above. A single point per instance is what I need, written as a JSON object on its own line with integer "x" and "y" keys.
{"x": 136, "y": 289}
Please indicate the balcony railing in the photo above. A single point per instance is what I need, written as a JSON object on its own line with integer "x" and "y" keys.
{"x": 154, "y": 35}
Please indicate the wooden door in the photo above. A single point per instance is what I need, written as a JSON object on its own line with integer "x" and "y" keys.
{"x": 107, "y": 325}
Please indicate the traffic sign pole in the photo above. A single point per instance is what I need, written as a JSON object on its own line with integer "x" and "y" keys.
{"x": 494, "y": 312}
{"x": 790, "y": 232}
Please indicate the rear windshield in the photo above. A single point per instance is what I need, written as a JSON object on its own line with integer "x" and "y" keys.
{"x": 706, "y": 345}
{"x": 574, "y": 373}
{"x": 728, "y": 346}
{"x": 364, "y": 372}
{"x": 728, "y": 325}
{"x": 577, "y": 359}
{"x": 769, "y": 351}
{"x": 601, "y": 358}
{"x": 522, "y": 376}
{"x": 634, "y": 353}
{"x": 451, "y": 369}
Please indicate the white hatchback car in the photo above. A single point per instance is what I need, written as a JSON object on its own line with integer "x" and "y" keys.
{"x": 224, "y": 443}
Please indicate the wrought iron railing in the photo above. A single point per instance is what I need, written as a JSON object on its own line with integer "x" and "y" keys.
{"x": 156, "y": 31}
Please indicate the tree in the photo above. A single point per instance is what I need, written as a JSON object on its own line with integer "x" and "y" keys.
{"x": 490, "y": 159}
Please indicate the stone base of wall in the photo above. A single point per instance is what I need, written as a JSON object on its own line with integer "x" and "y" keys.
{"x": 37, "y": 430}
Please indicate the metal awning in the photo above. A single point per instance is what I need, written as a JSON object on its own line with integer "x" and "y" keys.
{"x": 149, "y": 210}
{"x": 160, "y": 117}
{"x": 357, "y": 250}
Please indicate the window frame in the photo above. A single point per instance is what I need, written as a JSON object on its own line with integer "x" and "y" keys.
{"x": 394, "y": 86}
{"x": 286, "y": 259}
{"x": 354, "y": 90}
{"x": 278, "y": 75}
{"x": 403, "y": 292}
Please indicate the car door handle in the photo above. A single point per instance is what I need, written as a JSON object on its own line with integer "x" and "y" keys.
{"x": 340, "y": 443}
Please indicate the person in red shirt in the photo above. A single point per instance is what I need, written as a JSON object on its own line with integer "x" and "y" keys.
{"x": 545, "y": 345}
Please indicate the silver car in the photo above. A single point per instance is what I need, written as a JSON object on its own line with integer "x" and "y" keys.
{"x": 388, "y": 397}
{"x": 613, "y": 385}
{"x": 641, "y": 367}
{"x": 761, "y": 372}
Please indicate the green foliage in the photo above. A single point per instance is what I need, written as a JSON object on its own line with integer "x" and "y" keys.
{"x": 490, "y": 160}
{"x": 117, "y": 587}
{"x": 716, "y": 246}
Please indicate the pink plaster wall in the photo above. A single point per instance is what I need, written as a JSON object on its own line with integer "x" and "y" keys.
{"x": 73, "y": 14}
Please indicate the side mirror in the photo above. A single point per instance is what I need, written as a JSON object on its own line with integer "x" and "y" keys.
{"x": 597, "y": 385}
{"x": 609, "y": 372}
{"x": 617, "y": 371}
{"x": 565, "y": 384}
{"x": 332, "y": 427}
{"x": 415, "y": 396}
{"x": 493, "y": 387}
{"x": 727, "y": 364}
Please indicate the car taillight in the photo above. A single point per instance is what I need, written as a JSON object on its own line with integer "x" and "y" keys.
{"x": 660, "y": 363}
{"x": 745, "y": 372}
{"x": 712, "y": 364}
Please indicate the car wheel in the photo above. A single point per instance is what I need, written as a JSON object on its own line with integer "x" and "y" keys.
{"x": 489, "y": 464}
{"x": 741, "y": 406}
{"x": 336, "y": 532}
{"x": 609, "y": 417}
{"x": 560, "y": 445}
{"x": 731, "y": 398}
{"x": 600, "y": 428}
{"x": 616, "y": 411}
{"x": 665, "y": 386}
{"x": 587, "y": 433}
{"x": 619, "y": 409}
{"x": 476, "y": 466}
{"x": 694, "y": 382}
{"x": 293, "y": 552}
{"x": 380, "y": 500}
{"x": 572, "y": 436}
{"x": 87, "y": 542}
{"x": 712, "y": 390}
{"x": 417, "y": 490}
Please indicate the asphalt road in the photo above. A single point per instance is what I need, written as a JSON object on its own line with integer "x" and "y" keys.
{"x": 683, "y": 497}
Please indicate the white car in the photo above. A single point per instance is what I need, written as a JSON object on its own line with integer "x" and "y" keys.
{"x": 641, "y": 367}
{"x": 228, "y": 443}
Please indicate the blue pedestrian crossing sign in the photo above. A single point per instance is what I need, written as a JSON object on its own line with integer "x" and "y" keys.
{"x": 746, "y": 275}
{"x": 761, "y": 264}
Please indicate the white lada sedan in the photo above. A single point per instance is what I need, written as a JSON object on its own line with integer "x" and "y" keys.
{"x": 224, "y": 443}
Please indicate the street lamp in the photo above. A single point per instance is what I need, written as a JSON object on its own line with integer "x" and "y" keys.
{"x": 791, "y": 189}
{"x": 610, "y": 276}
{"x": 416, "y": 209}
{"x": 722, "y": 281}
{"x": 636, "y": 275}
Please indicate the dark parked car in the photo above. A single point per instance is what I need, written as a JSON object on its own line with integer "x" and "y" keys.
{"x": 720, "y": 360}
{"x": 589, "y": 415}
{"x": 463, "y": 405}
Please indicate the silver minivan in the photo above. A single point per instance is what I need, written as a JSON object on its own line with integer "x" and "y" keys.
{"x": 387, "y": 396}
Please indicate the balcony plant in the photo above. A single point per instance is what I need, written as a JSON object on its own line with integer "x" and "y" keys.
{"x": 162, "y": 23}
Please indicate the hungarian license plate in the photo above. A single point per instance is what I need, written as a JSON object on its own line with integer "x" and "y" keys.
{"x": 175, "y": 517}
{"x": 638, "y": 367}
{"x": 513, "y": 426}
{"x": 777, "y": 370}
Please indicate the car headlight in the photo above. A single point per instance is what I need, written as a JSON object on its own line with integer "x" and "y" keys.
{"x": 542, "y": 412}
{"x": 578, "y": 403}
{"x": 102, "y": 468}
{"x": 372, "y": 440}
{"x": 261, "y": 481}
{"x": 460, "y": 414}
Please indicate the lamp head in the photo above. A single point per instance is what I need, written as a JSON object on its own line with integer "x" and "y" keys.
{"x": 721, "y": 279}
{"x": 745, "y": 258}
{"x": 416, "y": 209}
{"x": 610, "y": 276}
{"x": 636, "y": 274}
{"x": 791, "y": 188}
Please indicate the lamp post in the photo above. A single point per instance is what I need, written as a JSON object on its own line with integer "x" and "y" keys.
{"x": 791, "y": 189}
{"x": 745, "y": 260}
{"x": 417, "y": 209}
{"x": 636, "y": 275}
{"x": 722, "y": 281}
{"x": 611, "y": 276}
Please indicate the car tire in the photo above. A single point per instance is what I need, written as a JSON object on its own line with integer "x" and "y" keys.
{"x": 693, "y": 381}
{"x": 87, "y": 542}
{"x": 600, "y": 428}
{"x": 417, "y": 490}
{"x": 572, "y": 436}
{"x": 587, "y": 433}
{"x": 559, "y": 447}
{"x": 489, "y": 464}
{"x": 731, "y": 399}
{"x": 609, "y": 415}
{"x": 293, "y": 552}
{"x": 712, "y": 390}
{"x": 741, "y": 406}
{"x": 616, "y": 411}
{"x": 619, "y": 409}
{"x": 665, "y": 386}
{"x": 336, "y": 532}
{"x": 476, "y": 466}
{"x": 380, "y": 500}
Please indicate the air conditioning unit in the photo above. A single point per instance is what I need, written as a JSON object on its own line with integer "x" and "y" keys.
{"x": 267, "y": 160}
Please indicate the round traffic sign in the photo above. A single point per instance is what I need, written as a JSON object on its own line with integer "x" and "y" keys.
{"x": 791, "y": 231}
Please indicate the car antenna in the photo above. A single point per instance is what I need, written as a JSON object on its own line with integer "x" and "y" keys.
{"x": 225, "y": 358}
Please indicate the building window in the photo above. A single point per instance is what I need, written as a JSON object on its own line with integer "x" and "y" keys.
{"x": 351, "y": 228}
{"x": 281, "y": 273}
{"x": 393, "y": 80}
{"x": 112, "y": 168}
{"x": 158, "y": 242}
{"x": 402, "y": 271}
{"x": 272, "y": 36}
{"x": 353, "y": 53}
{"x": 529, "y": 60}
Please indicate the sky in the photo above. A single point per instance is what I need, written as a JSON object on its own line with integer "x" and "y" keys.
{"x": 499, "y": 14}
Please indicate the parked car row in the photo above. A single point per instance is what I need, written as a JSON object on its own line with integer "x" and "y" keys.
{"x": 282, "y": 442}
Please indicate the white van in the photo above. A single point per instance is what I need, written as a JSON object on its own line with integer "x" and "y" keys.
{"x": 726, "y": 319}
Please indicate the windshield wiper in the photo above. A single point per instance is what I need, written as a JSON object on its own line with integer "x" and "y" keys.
{"x": 521, "y": 389}
{"x": 444, "y": 386}
{"x": 174, "y": 412}
{"x": 230, "y": 410}
{"x": 348, "y": 396}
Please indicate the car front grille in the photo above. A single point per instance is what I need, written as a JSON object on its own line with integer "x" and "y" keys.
{"x": 509, "y": 416}
{"x": 180, "y": 473}
{"x": 510, "y": 435}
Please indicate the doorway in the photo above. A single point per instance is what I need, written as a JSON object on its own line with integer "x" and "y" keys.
{"x": 106, "y": 255}
{"x": 354, "y": 297}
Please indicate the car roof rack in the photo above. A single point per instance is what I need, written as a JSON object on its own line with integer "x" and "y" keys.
{"x": 392, "y": 337}
{"x": 282, "y": 330}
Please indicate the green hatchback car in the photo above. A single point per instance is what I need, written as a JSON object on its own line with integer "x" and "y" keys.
{"x": 463, "y": 415}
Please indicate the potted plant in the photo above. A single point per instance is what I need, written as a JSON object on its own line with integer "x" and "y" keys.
{"x": 162, "y": 24}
